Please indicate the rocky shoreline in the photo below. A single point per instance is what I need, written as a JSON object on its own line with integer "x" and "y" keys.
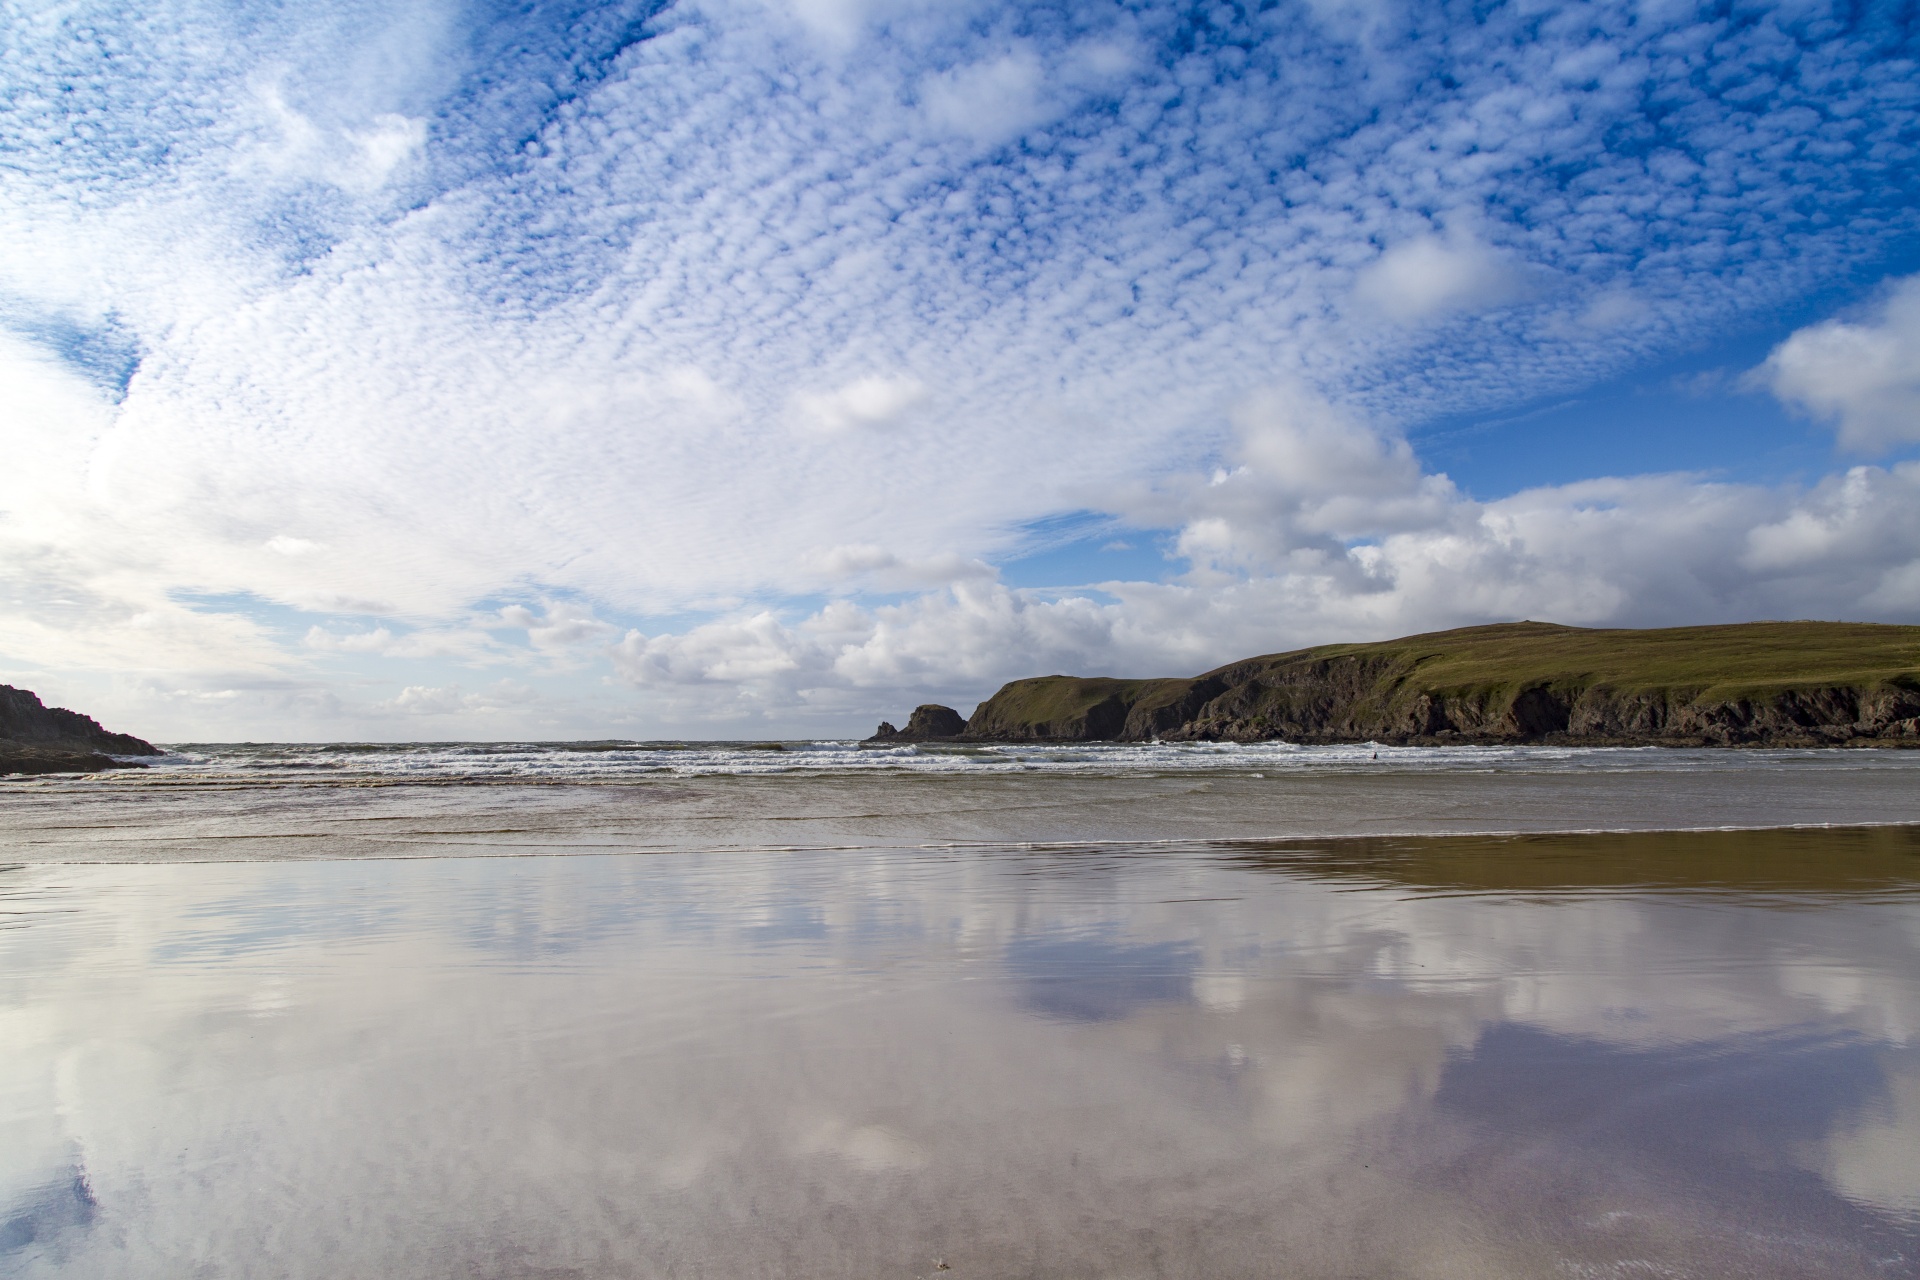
{"x": 38, "y": 739}
{"x": 1747, "y": 685}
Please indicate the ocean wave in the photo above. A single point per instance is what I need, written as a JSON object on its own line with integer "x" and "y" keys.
{"x": 615, "y": 762}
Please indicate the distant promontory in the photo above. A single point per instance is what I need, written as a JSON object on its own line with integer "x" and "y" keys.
{"x": 1760, "y": 684}
{"x": 35, "y": 738}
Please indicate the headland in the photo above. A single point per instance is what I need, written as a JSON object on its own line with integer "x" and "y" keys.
{"x": 36, "y": 738}
{"x": 1756, "y": 684}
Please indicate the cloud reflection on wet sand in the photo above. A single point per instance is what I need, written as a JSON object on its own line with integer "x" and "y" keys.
{"x": 1487, "y": 1058}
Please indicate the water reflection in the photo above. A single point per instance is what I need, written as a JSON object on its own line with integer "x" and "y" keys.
{"x": 40, "y": 1216}
{"x": 1092, "y": 979}
{"x": 1663, "y": 1054}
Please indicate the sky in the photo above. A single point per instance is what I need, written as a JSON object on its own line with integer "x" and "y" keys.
{"x": 754, "y": 368}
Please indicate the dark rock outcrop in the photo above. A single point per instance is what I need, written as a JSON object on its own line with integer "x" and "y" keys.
{"x": 1751, "y": 684}
{"x": 930, "y": 722}
{"x": 35, "y": 738}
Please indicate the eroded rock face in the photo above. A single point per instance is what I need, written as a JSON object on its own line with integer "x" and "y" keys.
{"x": 34, "y": 760}
{"x": 1592, "y": 717}
{"x": 930, "y": 722}
{"x": 36, "y": 738}
{"x": 1758, "y": 684}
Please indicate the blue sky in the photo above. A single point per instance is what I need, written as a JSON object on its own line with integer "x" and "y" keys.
{"x": 766, "y": 366}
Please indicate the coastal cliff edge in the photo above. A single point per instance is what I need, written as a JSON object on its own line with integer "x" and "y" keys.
{"x": 1748, "y": 684}
{"x": 36, "y": 738}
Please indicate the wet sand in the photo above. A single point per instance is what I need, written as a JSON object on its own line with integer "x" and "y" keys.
{"x": 1623, "y": 1054}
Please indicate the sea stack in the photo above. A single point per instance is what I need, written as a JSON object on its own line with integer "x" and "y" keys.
{"x": 930, "y": 722}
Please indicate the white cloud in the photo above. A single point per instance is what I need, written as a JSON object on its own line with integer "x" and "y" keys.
{"x": 1308, "y": 479}
{"x": 1611, "y": 311}
{"x": 749, "y": 650}
{"x": 1361, "y": 20}
{"x": 466, "y": 645}
{"x": 391, "y": 141}
{"x": 291, "y": 146}
{"x": 1433, "y": 275}
{"x": 990, "y": 101}
{"x": 872, "y": 401}
{"x": 1863, "y": 376}
{"x": 873, "y": 567}
{"x": 77, "y": 579}
{"x": 378, "y": 640}
{"x": 1864, "y": 517}
{"x": 271, "y": 343}
{"x": 564, "y": 624}
{"x": 1326, "y": 529}
{"x": 425, "y": 700}
{"x": 841, "y": 24}
{"x": 451, "y": 700}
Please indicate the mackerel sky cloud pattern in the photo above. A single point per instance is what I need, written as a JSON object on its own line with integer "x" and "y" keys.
{"x": 665, "y": 366}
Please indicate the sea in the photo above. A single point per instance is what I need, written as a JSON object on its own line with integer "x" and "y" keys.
{"x": 622, "y": 1009}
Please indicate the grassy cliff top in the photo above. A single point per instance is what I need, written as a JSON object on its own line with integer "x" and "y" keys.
{"x": 1748, "y": 660}
{"x": 1725, "y": 660}
{"x": 1057, "y": 699}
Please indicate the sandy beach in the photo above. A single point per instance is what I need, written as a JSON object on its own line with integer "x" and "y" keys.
{"x": 764, "y": 1023}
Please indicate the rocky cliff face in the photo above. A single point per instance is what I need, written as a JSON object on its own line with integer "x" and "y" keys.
{"x": 35, "y": 738}
{"x": 1337, "y": 702}
{"x": 930, "y": 722}
{"x": 1790, "y": 684}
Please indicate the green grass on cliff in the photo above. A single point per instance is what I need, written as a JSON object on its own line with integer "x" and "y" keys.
{"x": 1061, "y": 699}
{"x": 1715, "y": 663}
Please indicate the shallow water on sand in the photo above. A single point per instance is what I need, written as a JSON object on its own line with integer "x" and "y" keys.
{"x": 1661, "y": 1054}
{"x": 250, "y": 802}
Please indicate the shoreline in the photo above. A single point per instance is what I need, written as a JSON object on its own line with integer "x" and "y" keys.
{"x": 260, "y": 804}
{"x": 1302, "y": 843}
{"x": 1582, "y": 741}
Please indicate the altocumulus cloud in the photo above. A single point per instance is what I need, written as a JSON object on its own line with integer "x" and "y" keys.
{"x": 718, "y": 350}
